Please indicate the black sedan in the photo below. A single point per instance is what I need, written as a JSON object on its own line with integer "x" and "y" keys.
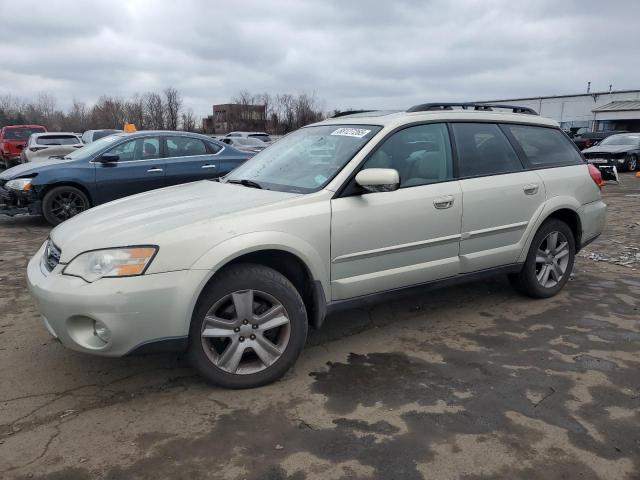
{"x": 113, "y": 167}
{"x": 621, "y": 151}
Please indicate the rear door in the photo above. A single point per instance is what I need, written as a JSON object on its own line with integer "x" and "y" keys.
{"x": 189, "y": 159}
{"x": 500, "y": 197}
{"x": 139, "y": 168}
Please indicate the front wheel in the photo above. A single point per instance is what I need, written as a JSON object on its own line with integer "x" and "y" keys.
{"x": 549, "y": 261}
{"x": 61, "y": 203}
{"x": 632, "y": 163}
{"x": 248, "y": 328}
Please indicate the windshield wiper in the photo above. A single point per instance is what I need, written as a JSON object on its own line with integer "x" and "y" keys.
{"x": 245, "y": 182}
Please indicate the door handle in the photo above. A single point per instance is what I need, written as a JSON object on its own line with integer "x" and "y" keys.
{"x": 155, "y": 169}
{"x": 443, "y": 202}
{"x": 530, "y": 189}
{"x": 209, "y": 166}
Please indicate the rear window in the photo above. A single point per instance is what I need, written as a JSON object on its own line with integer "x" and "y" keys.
{"x": 21, "y": 133}
{"x": 545, "y": 146}
{"x": 261, "y": 136}
{"x": 103, "y": 133}
{"x": 484, "y": 150}
{"x": 57, "y": 140}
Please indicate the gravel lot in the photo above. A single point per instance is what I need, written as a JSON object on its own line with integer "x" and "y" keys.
{"x": 469, "y": 382}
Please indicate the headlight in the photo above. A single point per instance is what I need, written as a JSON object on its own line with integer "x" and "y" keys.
{"x": 111, "y": 262}
{"x": 19, "y": 184}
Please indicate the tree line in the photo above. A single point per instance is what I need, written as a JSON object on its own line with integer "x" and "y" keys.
{"x": 164, "y": 110}
{"x": 148, "y": 111}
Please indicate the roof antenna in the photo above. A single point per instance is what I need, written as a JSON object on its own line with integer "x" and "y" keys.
{"x": 588, "y": 87}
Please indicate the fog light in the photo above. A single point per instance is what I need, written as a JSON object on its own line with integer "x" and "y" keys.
{"x": 101, "y": 331}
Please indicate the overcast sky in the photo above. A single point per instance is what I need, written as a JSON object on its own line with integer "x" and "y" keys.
{"x": 359, "y": 54}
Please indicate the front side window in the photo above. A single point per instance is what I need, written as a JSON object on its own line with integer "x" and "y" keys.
{"x": 138, "y": 149}
{"x": 306, "y": 160}
{"x": 484, "y": 150}
{"x": 545, "y": 146}
{"x": 421, "y": 155}
{"x": 185, "y": 147}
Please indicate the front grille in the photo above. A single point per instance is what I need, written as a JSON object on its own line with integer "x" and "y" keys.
{"x": 51, "y": 256}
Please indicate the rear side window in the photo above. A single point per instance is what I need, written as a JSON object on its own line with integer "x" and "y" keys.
{"x": 544, "y": 146}
{"x": 57, "y": 140}
{"x": 214, "y": 147}
{"x": 484, "y": 150}
{"x": 185, "y": 147}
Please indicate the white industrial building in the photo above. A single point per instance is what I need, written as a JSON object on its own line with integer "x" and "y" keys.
{"x": 613, "y": 110}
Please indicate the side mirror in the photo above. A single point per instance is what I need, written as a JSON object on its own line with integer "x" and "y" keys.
{"x": 108, "y": 158}
{"x": 378, "y": 179}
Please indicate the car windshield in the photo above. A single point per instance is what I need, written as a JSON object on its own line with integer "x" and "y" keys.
{"x": 103, "y": 133}
{"x": 306, "y": 160}
{"x": 93, "y": 147}
{"x": 21, "y": 133}
{"x": 621, "y": 140}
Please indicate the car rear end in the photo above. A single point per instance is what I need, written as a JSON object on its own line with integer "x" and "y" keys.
{"x": 13, "y": 140}
{"x": 50, "y": 146}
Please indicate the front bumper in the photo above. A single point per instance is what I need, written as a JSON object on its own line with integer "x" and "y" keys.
{"x": 13, "y": 203}
{"x": 137, "y": 310}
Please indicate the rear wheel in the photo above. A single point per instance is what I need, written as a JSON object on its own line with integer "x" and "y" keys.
{"x": 61, "y": 203}
{"x": 632, "y": 163}
{"x": 249, "y": 327}
{"x": 549, "y": 261}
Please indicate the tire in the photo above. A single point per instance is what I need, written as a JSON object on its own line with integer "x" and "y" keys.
{"x": 631, "y": 164}
{"x": 531, "y": 280}
{"x": 61, "y": 203}
{"x": 226, "y": 355}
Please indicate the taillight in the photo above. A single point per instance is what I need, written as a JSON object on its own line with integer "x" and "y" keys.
{"x": 596, "y": 176}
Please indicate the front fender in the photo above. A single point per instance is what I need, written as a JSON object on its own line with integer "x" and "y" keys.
{"x": 228, "y": 250}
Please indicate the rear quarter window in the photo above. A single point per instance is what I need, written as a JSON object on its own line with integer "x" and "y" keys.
{"x": 545, "y": 147}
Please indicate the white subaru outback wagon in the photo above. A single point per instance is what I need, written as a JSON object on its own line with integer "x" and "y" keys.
{"x": 339, "y": 212}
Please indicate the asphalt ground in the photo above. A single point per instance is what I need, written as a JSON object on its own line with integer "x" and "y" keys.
{"x": 474, "y": 381}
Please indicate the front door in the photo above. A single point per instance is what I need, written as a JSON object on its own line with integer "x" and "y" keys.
{"x": 139, "y": 168}
{"x": 500, "y": 198}
{"x": 387, "y": 240}
{"x": 189, "y": 159}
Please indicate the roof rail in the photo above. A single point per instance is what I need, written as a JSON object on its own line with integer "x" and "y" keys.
{"x": 350, "y": 112}
{"x": 426, "y": 107}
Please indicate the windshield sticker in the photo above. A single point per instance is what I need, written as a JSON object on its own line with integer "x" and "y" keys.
{"x": 320, "y": 179}
{"x": 351, "y": 132}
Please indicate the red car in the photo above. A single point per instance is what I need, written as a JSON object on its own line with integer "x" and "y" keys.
{"x": 13, "y": 139}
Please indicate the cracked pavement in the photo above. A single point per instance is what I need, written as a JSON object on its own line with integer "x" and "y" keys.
{"x": 469, "y": 382}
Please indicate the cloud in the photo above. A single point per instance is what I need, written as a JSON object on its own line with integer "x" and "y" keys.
{"x": 351, "y": 53}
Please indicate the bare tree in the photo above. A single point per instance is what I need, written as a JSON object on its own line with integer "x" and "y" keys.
{"x": 154, "y": 111}
{"x": 189, "y": 121}
{"x": 134, "y": 110}
{"x": 172, "y": 106}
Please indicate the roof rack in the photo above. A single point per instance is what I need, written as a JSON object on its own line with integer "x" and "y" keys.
{"x": 350, "y": 112}
{"x": 426, "y": 107}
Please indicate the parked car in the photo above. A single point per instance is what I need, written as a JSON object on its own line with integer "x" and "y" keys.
{"x": 13, "y": 139}
{"x": 93, "y": 135}
{"x": 45, "y": 146}
{"x": 235, "y": 271}
{"x": 113, "y": 167}
{"x": 589, "y": 139}
{"x": 262, "y": 136}
{"x": 246, "y": 144}
{"x": 621, "y": 150}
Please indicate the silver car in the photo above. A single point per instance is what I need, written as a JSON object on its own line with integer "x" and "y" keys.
{"x": 50, "y": 145}
{"x": 345, "y": 211}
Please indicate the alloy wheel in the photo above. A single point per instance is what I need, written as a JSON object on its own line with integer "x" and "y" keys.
{"x": 66, "y": 204}
{"x": 552, "y": 259}
{"x": 245, "y": 332}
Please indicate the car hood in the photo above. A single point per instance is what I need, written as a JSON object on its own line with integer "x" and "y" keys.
{"x": 610, "y": 149}
{"x": 26, "y": 169}
{"x": 160, "y": 217}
